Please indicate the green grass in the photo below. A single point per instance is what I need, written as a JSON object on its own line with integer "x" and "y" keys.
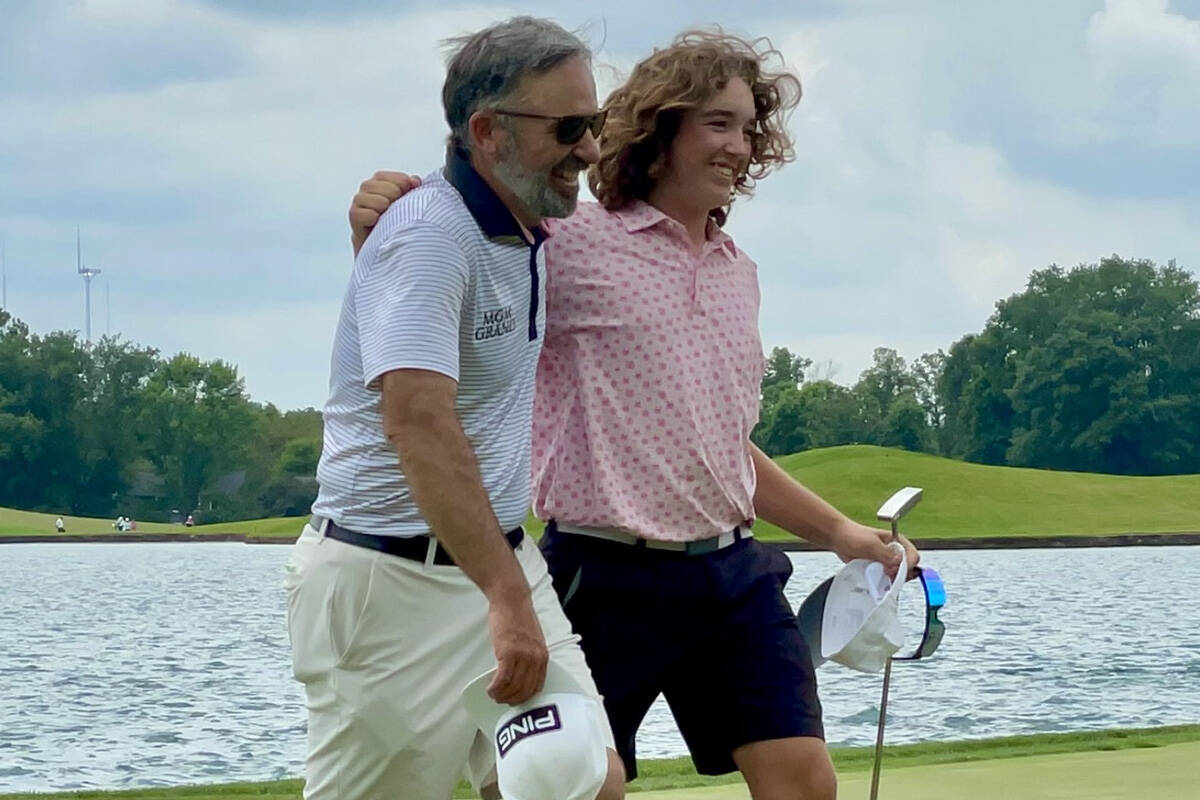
{"x": 678, "y": 773}
{"x": 1162, "y": 773}
{"x": 971, "y": 500}
{"x": 13, "y": 521}
{"x": 276, "y": 526}
{"x": 961, "y": 499}
{"x": 975, "y": 763}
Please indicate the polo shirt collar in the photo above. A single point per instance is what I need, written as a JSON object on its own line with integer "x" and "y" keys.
{"x": 489, "y": 211}
{"x": 640, "y": 216}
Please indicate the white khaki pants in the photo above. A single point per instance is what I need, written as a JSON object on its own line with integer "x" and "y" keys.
{"x": 384, "y": 646}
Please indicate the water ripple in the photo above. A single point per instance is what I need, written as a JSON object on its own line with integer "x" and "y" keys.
{"x": 167, "y": 664}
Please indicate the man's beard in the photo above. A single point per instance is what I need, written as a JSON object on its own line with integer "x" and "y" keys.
{"x": 532, "y": 188}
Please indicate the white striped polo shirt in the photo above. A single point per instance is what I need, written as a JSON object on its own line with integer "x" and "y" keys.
{"x": 447, "y": 283}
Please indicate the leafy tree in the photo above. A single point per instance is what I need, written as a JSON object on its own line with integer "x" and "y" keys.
{"x": 42, "y": 380}
{"x": 20, "y": 430}
{"x": 784, "y": 370}
{"x": 782, "y": 431}
{"x": 832, "y": 414}
{"x": 924, "y": 374}
{"x": 1111, "y": 381}
{"x": 1095, "y": 368}
{"x": 79, "y": 421}
{"x": 818, "y": 414}
{"x": 907, "y": 425}
{"x": 974, "y": 387}
{"x": 109, "y": 436}
{"x": 885, "y": 380}
{"x": 783, "y": 375}
{"x": 199, "y": 424}
{"x": 300, "y": 457}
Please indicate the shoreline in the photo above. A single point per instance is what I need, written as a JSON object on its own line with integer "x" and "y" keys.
{"x": 1182, "y": 538}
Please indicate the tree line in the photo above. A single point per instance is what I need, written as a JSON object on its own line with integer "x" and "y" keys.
{"x": 113, "y": 428}
{"x": 1095, "y": 368}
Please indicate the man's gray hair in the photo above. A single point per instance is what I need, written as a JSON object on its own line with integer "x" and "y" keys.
{"x": 485, "y": 67}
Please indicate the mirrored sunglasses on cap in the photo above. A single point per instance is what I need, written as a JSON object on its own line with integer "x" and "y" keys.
{"x": 568, "y": 129}
{"x": 935, "y": 629}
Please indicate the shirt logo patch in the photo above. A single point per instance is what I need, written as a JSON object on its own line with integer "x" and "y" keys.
{"x": 534, "y": 721}
{"x": 496, "y": 323}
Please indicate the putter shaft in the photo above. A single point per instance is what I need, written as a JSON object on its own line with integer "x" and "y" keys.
{"x": 887, "y": 679}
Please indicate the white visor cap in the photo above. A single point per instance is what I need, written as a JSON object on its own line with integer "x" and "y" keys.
{"x": 552, "y": 746}
{"x": 853, "y": 618}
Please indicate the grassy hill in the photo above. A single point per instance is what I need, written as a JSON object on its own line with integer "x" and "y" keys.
{"x": 964, "y": 499}
{"x": 961, "y": 499}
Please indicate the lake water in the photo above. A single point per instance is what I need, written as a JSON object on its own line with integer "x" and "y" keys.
{"x": 159, "y": 664}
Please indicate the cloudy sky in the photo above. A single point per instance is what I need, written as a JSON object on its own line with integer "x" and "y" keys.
{"x": 208, "y": 150}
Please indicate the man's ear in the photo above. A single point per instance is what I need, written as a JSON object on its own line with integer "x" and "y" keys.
{"x": 485, "y": 133}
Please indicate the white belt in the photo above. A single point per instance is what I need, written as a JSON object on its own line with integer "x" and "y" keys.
{"x": 694, "y": 548}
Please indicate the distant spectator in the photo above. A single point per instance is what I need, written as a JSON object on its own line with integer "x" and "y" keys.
{"x": 189, "y": 522}
{"x": 59, "y": 525}
{"x": 130, "y": 524}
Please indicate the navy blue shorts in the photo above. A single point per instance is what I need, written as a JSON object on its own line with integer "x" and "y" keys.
{"x": 712, "y": 633}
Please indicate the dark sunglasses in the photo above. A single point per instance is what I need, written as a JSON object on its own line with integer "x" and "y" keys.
{"x": 569, "y": 129}
{"x": 935, "y": 629}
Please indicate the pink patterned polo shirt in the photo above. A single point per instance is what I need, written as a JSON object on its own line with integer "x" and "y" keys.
{"x": 648, "y": 383}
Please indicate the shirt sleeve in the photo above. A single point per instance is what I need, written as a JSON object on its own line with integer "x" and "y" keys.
{"x": 409, "y": 304}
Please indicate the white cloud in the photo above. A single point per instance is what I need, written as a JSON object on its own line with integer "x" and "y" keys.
{"x": 1146, "y": 68}
{"x": 1146, "y": 29}
{"x": 72, "y": 48}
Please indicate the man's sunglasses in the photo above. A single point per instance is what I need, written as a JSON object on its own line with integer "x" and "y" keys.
{"x": 935, "y": 629}
{"x": 569, "y": 129}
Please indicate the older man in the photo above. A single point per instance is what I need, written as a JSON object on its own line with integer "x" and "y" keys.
{"x": 414, "y": 574}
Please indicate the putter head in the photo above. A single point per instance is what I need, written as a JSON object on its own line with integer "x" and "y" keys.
{"x": 899, "y": 504}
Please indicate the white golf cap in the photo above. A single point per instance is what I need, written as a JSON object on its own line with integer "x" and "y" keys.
{"x": 552, "y": 746}
{"x": 853, "y": 618}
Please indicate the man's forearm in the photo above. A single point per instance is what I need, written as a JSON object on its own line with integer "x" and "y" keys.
{"x": 783, "y": 501}
{"x": 440, "y": 466}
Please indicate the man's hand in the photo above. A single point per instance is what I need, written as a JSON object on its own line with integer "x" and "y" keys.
{"x": 374, "y": 196}
{"x": 520, "y": 648}
{"x": 859, "y": 541}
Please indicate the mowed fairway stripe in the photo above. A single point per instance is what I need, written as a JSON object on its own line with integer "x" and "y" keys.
{"x": 1161, "y": 773}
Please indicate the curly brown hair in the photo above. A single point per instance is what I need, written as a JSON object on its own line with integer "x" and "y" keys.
{"x": 644, "y": 115}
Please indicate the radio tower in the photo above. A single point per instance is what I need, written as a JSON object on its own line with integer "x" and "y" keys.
{"x": 88, "y": 273}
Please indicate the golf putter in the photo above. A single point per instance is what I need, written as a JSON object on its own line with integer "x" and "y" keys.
{"x": 896, "y": 507}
